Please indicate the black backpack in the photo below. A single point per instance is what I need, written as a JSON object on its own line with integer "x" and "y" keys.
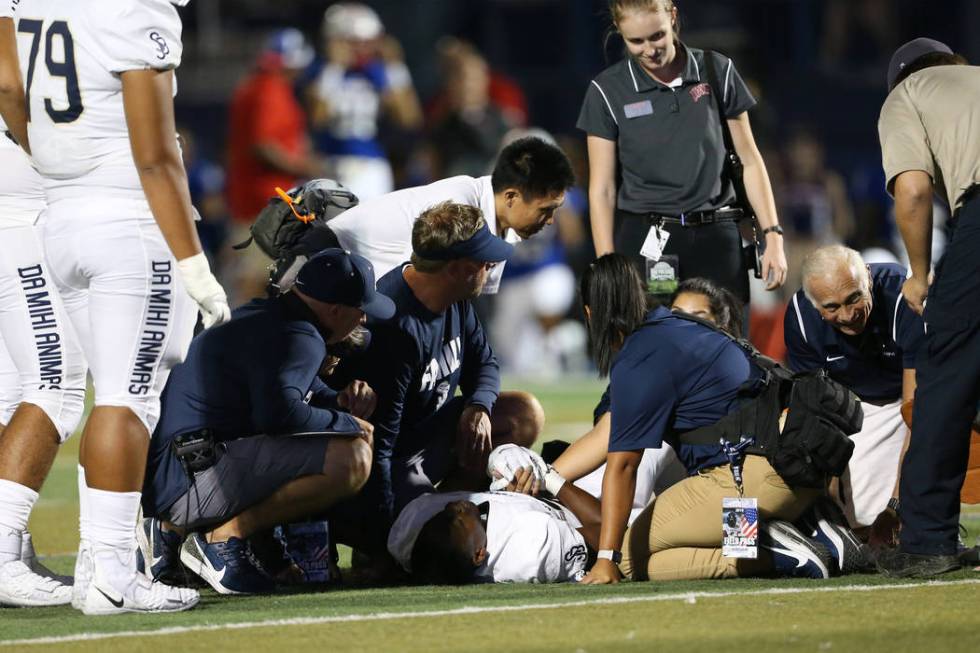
{"x": 812, "y": 444}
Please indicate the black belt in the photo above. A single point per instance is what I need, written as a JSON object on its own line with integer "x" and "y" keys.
{"x": 971, "y": 193}
{"x": 697, "y": 218}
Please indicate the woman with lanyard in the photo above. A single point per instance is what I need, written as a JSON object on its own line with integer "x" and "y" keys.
{"x": 655, "y": 115}
{"x": 670, "y": 375}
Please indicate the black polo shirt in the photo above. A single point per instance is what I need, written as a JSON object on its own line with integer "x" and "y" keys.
{"x": 669, "y": 139}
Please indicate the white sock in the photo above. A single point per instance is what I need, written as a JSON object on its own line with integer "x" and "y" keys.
{"x": 112, "y": 519}
{"x": 16, "y": 502}
{"x": 84, "y": 517}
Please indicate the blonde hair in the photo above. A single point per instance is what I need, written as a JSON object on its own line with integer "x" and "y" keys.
{"x": 442, "y": 226}
{"x": 619, "y": 8}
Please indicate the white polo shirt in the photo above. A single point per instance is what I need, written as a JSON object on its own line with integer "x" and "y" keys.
{"x": 380, "y": 229}
{"x": 528, "y": 540}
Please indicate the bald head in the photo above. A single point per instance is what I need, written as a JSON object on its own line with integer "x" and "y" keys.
{"x": 838, "y": 284}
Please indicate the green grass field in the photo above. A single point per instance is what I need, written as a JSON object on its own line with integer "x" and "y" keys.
{"x": 855, "y": 613}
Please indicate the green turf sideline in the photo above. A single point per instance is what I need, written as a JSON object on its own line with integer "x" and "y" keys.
{"x": 689, "y": 597}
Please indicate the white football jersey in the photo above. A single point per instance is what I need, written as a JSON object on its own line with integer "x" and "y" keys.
{"x": 528, "y": 540}
{"x": 72, "y": 54}
{"x": 380, "y": 229}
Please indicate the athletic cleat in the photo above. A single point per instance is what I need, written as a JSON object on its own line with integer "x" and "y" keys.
{"x": 29, "y": 557}
{"x": 115, "y": 591}
{"x": 21, "y": 587}
{"x": 825, "y": 523}
{"x": 83, "y": 575}
{"x": 793, "y": 554}
{"x": 225, "y": 566}
{"x": 899, "y": 564}
{"x": 161, "y": 548}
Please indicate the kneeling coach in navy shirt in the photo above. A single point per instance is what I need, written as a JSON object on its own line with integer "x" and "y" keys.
{"x": 242, "y": 443}
{"x": 433, "y": 346}
{"x": 851, "y": 320}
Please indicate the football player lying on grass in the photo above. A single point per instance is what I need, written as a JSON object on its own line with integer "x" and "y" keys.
{"x": 504, "y": 536}
{"x": 499, "y": 536}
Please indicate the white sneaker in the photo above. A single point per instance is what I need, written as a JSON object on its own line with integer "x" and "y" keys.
{"x": 29, "y": 557}
{"x": 19, "y": 586}
{"x": 83, "y": 575}
{"x": 123, "y": 589}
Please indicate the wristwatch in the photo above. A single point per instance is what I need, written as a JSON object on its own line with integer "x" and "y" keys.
{"x": 609, "y": 554}
{"x": 775, "y": 229}
{"x": 893, "y": 504}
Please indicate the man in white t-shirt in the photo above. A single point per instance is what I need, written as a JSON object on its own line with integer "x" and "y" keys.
{"x": 521, "y": 196}
{"x": 42, "y": 370}
{"x": 119, "y": 237}
{"x": 499, "y": 537}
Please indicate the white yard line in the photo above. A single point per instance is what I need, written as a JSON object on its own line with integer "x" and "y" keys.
{"x": 689, "y": 597}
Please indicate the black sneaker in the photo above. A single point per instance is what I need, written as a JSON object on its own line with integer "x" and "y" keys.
{"x": 794, "y": 554}
{"x": 825, "y": 523}
{"x": 899, "y": 564}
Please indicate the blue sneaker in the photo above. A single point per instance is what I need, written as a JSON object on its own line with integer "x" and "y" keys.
{"x": 225, "y": 566}
{"x": 826, "y": 524}
{"x": 161, "y": 548}
{"x": 793, "y": 554}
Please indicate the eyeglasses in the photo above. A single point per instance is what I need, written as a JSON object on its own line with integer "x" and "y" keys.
{"x": 489, "y": 265}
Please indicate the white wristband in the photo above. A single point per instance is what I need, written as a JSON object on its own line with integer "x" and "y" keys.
{"x": 609, "y": 554}
{"x": 553, "y": 482}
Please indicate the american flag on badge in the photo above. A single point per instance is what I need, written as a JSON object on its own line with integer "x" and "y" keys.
{"x": 748, "y": 526}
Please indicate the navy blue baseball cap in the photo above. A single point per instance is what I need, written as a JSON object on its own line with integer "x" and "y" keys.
{"x": 909, "y": 53}
{"x": 481, "y": 246}
{"x": 336, "y": 276}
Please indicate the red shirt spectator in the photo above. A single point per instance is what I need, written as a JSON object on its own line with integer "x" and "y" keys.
{"x": 268, "y": 145}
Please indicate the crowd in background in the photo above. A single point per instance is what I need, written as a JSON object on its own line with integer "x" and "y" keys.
{"x": 343, "y": 105}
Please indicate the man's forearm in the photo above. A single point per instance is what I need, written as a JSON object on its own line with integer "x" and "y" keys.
{"x": 913, "y": 214}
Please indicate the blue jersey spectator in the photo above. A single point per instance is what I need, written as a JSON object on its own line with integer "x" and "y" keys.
{"x": 362, "y": 78}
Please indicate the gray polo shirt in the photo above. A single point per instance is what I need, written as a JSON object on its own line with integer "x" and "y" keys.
{"x": 669, "y": 141}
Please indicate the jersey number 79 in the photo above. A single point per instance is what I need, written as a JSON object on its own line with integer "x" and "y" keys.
{"x": 64, "y": 68}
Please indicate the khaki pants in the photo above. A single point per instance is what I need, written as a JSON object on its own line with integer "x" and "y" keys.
{"x": 678, "y": 536}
